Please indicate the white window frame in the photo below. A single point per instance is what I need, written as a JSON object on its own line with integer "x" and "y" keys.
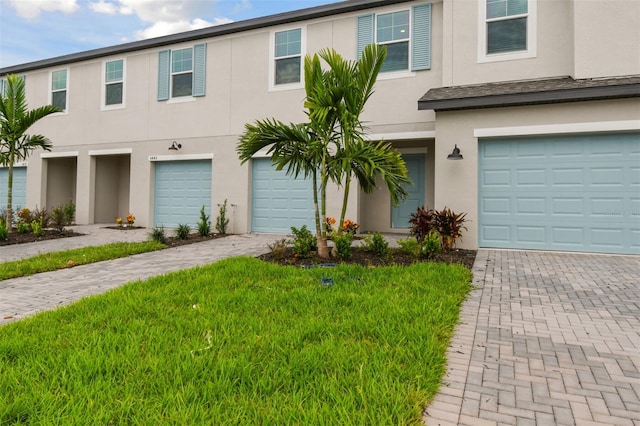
{"x": 272, "y": 59}
{"x": 171, "y": 74}
{"x": 50, "y": 89}
{"x": 103, "y": 96}
{"x": 532, "y": 47}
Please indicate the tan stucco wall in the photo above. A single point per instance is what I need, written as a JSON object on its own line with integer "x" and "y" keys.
{"x": 456, "y": 182}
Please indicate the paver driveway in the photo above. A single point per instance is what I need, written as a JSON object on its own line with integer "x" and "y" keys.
{"x": 545, "y": 339}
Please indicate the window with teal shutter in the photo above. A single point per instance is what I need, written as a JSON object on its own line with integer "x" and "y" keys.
{"x": 182, "y": 72}
{"x": 506, "y": 25}
{"x": 405, "y": 33}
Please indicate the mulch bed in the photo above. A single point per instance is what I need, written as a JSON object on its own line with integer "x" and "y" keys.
{"x": 49, "y": 234}
{"x": 369, "y": 259}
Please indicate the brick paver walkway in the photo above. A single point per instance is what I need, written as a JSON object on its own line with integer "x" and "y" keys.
{"x": 545, "y": 339}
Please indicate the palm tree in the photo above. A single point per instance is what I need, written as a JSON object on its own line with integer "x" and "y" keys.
{"x": 331, "y": 147}
{"x": 15, "y": 120}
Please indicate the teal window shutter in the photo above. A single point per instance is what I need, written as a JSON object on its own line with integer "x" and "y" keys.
{"x": 365, "y": 33}
{"x": 199, "y": 69}
{"x": 164, "y": 58}
{"x": 421, "y": 47}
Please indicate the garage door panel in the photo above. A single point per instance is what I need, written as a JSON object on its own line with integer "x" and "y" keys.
{"x": 279, "y": 201}
{"x": 181, "y": 189}
{"x": 581, "y": 197}
{"x": 19, "y": 190}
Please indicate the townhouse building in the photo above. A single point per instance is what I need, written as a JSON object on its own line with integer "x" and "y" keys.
{"x": 539, "y": 99}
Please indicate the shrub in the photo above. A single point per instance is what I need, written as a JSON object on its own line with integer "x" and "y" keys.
{"x": 449, "y": 225}
{"x": 158, "y": 235}
{"x": 278, "y": 249}
{"x": 4, "y": 232}
{"x": 376, "y": 244}
{"x": 204, "y": 225}
{"x": 304, "y": 242}
{"x": 350, "y": 227}
{"x": 183, "y": 231}
{"x": 422, "y": 222}
{"x": 37, "y": 228}
{"x": 410, "y": 246}
{"x": 222, "y": 221}
{"x": 57, "y": 218}
{"x": 431, "y": 245}
{"x": 25, "y": 215}
{"x": 41, "y": 215}
{"x": 23, "y": 227}
{"x": 328, "y": 224}
{"x": 69, "y": 210}
{"x": 343, "y": 245}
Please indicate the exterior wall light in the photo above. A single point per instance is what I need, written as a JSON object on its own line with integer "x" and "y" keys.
{"x": 175, "y": 146}
{"x": 455, "y": 154}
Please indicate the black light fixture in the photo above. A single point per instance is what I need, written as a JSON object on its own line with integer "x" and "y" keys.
{"x": 455, "y": 154}
{"x": 175, "y": 146}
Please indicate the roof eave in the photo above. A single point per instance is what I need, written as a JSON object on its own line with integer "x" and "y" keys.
{"x": 533, "y": 98}
{"x": 213, "y": 31}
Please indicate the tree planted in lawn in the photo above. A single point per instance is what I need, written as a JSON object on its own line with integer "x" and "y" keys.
{"x": 15, "y": 120}
{"x": 331, "y": 146}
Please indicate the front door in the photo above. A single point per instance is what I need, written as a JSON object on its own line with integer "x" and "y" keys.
{"x": 415, "y": 168}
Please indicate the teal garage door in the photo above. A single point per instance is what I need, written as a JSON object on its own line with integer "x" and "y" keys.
{"x": 278, "y": 201}
{"x": 181, "y": 189}
{"x": 19, "y": 193}
{"x": 572, "y": 193}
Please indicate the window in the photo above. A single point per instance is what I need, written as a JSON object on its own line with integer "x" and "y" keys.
{"x": 182, "y": 72}
{"x": 2, "y": 86}
{"x": 59, "y": 89}
{"x": 392, "y": 30}
{"x": 405, "y": 33}
{"x": 507, "y": 30}
{"x": 114, "y": 82}
{"x": 288, "y": 56}
{"x": 506, "y": 25}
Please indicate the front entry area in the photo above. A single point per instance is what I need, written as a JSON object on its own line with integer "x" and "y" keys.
{"x": 416, "y": 171}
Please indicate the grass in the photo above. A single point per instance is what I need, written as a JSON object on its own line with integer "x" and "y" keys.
{"x": 238, "y": 342}
{"x": 69, "y": 258}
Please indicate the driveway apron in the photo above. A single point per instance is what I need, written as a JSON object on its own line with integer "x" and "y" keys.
{"x": 545, "y": 339}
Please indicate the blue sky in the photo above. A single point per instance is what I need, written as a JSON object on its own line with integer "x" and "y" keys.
{"x": 31, "y": 30}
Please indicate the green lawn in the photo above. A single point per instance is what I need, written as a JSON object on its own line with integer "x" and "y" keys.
{"x": 69, "y": 258}
{"x": 238, "y": 342}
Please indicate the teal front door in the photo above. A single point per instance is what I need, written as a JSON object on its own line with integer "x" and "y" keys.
{"x": 415, "y": 168}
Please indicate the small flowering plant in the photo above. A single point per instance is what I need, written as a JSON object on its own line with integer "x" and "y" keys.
{"x": 328, "y": 224}
{"x": 131, "y": 218}
{"x": 119, "y": 221}
{"x": 350, "y": 227}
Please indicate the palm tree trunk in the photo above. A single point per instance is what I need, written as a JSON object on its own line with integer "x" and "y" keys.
{"x": 323, "y": 249}
{"x": 345, "y": 200}
{"x": 10, "y": 194}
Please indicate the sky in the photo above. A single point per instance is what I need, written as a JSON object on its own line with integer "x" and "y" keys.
{"x": 31, "y": 30}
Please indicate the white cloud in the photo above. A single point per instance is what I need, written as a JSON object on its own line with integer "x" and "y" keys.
{"x": 102, "y": 7}
{"x": 31, "y": 9}
{"x": 162, "y": 28}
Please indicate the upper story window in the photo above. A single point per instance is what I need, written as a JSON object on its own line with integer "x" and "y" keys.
{"x": 507, "y": 30}
{"x": 114, "y": 83}
{"x": 59, "y": 92}
{"x": 182, "y": 72}
{"x": 392, "y": 30}
{"x": 2, "y": 82}
{"x": 406, "y": 34}
{"x": 288, "y": 56}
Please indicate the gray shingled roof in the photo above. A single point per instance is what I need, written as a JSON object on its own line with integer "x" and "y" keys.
{"x": 215, "y": 31}
{"x": 530, "y": 92}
